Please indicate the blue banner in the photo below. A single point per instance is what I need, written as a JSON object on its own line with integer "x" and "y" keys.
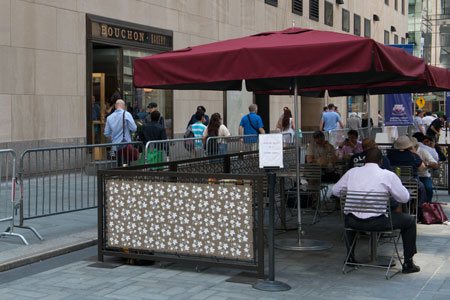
{"x": 447, "y": 105}
{"x": 398, "y": 110}
{"x": 407, "y": 47}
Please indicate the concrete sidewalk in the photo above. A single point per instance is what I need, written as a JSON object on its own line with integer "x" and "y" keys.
{"x": 62, "y": 233}
{"x": 312, "y": 275}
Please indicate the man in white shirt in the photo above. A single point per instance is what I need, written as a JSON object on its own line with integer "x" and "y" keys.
{"x": 425, "y": 175}
{"x": 371, "y": 178}
{"x": 428, "y": 119}
{"x": 427, "y": 143}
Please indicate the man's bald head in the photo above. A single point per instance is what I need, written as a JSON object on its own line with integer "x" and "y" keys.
{"x": 120, "y": 104}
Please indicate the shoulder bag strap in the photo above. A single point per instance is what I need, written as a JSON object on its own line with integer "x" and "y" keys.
{"x": 123, "y": 125}
{"x": 248, "y": 116}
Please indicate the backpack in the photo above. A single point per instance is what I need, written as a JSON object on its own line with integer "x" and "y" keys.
{"x": 189, "y": 145}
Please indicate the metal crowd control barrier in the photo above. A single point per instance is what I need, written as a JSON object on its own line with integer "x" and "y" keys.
{"x": 218, "y": 145}
{"x": 58, "y": 180}
{"x": 8, "y": 192}
{"x": 174, "y": 149}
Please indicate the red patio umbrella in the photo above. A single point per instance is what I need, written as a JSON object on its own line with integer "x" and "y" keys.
{"x": 271, "y": 60}
{"x": 299, "y": 60}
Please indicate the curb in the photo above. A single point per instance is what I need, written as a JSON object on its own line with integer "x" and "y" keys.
{"x": 45, "y": 254}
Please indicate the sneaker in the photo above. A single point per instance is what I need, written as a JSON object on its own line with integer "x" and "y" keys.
{"x": 410, "y": 267}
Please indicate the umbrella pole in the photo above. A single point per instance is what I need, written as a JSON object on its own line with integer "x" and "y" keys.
{"x": 369, "y": 127}
{"x": 300, "y": 244}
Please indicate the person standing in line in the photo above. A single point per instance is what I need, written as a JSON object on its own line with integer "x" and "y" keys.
{"x": 151, "y": 107}
{"x": 330, "y": 119}
{"x": 365, "y": 121}
{"x": 215, "y": 128}
{"x": 354, "y": 122}
{"x": 194, "y": 119}
{"x": 286, "y": 126}
{"x": 118, "y": 126}
{"x": 251, "y": 123}
{"x": 197, "y": 129}
{"x": 154, "y": 131}
{"x": 418, "y": 122}
{"x": 380, "y": 119}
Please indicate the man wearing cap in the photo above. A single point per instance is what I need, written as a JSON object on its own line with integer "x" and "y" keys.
{"x": 151, "y": 107}
{"x": 418, "y": 122}
{"x": 330, "y": 119}
{"x": 359, "y": 159}
{"x": 371, "y": 178}
{"x": 434, "y": 130}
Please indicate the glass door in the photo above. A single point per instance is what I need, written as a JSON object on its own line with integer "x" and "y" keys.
{"x": 137, "y": 99}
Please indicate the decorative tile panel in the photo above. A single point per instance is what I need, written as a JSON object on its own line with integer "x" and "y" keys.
{"x": 211, "y": 220}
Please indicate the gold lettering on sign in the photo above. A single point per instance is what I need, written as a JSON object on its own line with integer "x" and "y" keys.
{"x": 123, "y": 33}
{"x": 158, "y": 39}
{"x": 104, "y": 30}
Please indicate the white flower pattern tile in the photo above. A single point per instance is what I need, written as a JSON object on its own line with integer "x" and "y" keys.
{"x": 198, "y": 219}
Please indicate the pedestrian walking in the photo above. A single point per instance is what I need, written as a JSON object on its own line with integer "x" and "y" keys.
{"x": 194, "y": 119}
{"x": 330, "y": 119}
{"x": 154, "y": 131}
{"x": 151, "y": 107}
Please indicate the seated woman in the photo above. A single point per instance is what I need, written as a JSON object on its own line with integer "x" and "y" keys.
{"x": 350, "y": 146}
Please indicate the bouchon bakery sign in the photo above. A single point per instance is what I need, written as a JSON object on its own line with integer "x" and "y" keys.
{"x": 129, "y": 34}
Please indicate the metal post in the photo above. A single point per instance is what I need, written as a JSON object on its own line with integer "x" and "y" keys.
{"x": 300, "y": 244}
{"x": 369, "y": 125}
{"x": 271, "y": 285}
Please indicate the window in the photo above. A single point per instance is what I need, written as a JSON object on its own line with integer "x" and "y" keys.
{"x": 297, "y": 7}
{"x": 356, "y": 24}
{"x": 386, "y": 2}
{"x": 345, "y": 20}
{"x": 396, "y": 4}
{"x": 272, "y": 2}
{"x": 366, "y": 28}
{"x": 328, "y": 13}
{"x": 403, "y": 41}
{"x": 314, "y": 10}
{"x": 403, "y": 7}
{"x": 395, "y": 39}
{"x": 386, "y": 37}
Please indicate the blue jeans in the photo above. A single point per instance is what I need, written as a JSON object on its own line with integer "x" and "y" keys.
{"x": 428, "y": 184}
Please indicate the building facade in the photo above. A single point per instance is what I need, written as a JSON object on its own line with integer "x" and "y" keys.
{"x": 429, "y": 31}
{"x": 61, "y": 61}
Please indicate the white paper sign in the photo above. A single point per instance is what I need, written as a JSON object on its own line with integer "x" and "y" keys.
{"x": 271, "y": 150}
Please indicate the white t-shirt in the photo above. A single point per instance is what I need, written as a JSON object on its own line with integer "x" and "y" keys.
{"x": 427, "y": 158}
{"x": 223, "y": 131}
{"x": 427, "y": 120}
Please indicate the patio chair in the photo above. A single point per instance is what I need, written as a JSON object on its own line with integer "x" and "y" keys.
{"x": 413, "y": 204}
{"x": 369, "y": 202}
{"x": 312, "y": 173}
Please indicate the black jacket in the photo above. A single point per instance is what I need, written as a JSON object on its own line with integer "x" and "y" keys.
{"x": 153, "y": 131}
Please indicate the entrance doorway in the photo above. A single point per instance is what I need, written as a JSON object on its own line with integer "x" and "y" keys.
{"x": 112, "y": 47}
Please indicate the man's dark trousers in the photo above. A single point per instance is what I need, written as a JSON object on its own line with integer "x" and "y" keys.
{"x": 406, "y": 223}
